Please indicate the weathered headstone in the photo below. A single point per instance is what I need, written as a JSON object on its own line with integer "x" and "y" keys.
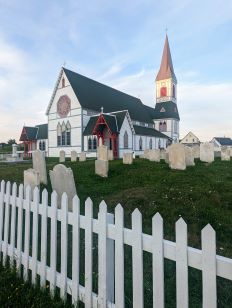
{"x": 146, "y": 153}
{"x": 62, "y": 180}
{"x": 102, "y": 167}
{"x": 14, "y": 150}
{"x": 73, "y": 156}
{"x": 154, "y": 155}
{"x": 207, "y": 152}
{"x": 110, "y": 155}
{"x": 127, "y": 158}
{"x": 189, "y": 158}
{"x": 82, "y": 156}
{"x": 31, "y": 178}
{"x": 196, "y": 151}
{"x": 177, "y": 156}
{"x": 102, "y": 152}
{"x": 62, "y": 156}
{"x": 39, "y": 164}
{"x": 225, "y": 153}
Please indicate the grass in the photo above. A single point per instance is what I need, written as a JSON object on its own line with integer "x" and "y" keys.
{"x": 201, "y": 195}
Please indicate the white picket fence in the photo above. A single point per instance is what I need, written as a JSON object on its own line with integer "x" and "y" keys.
{"x": 111, "y": 239}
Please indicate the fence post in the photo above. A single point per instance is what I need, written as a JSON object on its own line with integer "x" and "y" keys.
{"x": 110, "y": 259}
{"x": 6, "y": 222}
{"x": 13, "y": 223}
{"x": 2, "y": 195}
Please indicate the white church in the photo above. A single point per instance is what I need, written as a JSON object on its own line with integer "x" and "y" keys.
{"x": 84, "y": 113}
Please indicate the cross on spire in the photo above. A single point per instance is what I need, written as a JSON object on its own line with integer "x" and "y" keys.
{"x": 102, "y": 109}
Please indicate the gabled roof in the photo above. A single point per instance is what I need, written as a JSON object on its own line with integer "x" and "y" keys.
{"x": 34, "y": 133}
{"x": 147, "y": 131}
{"x": 224, "y": 140}
{"x": 166, "y": 110}
{"x": 42, "y": 132}
{"x": 93, "y": 95}
{"x": 166, "y": 70}
{"x": 190, "y": 133}
{"x": 111, "y": 121}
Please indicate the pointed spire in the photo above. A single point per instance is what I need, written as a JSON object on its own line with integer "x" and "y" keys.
{"x": 166, "y": 70}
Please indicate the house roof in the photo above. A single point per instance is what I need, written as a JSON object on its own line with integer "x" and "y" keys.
{"x": 147, "y": 131}
{"x": 42, "y": 132}
{"x": 166, "y": 70}
{"x": 166, "y": 110}
{"x": 111, "y": 121}
{"x": 34, "y": 133}
{"x": 93, "y": 95}
{"x": 224, "y": 140}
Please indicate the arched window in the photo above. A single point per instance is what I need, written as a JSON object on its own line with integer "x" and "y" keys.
{"x": 40, "y": 146}
{"x": 164, "y": 126}
{"x": 160, "y": 126}
{"x": 174, "y": 91}
{"x": 43, "y": 146}
{"x": 150, "y": 144}
{"x": 59, "y": 131}
{"x": 159, "y": 144}
{"x": 163, "y": 91}
{"x": 63, "y": 134}
{"x": 68, "y": 134}
{"x": 94, "y": 143}
{"x": 63, "y": 82}
{"x": 90, "y": 144}
{"x": 125, "y": 140}
{"x": 140, "y": 143}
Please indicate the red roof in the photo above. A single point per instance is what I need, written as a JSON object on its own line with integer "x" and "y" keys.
{"x": 166, "y": 70}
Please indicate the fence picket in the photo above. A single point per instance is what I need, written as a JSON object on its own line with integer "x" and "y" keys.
{"x": 53, "y": 256}
{"x": 88, "y": 252}
{"x": 208, "y": 242}
{"x": 64, "y": 246}
{"x": 2, "y": 196}
{"x": 27, "y": 231}
{"x": 13, "y": 223}
{"x": 19, "y": 228}
{"x": 75, "y": 250}
{"x": 102, "y": 218}
{"x": 110, "y": 261}
{"x": 35, "y": 234}
{"x": 158, "y": 261}
{"x": 181, "y": 264}
{"x": 137, "y": 259}
{"x": 6, "y": 222}
{"x": 44, "y": 238}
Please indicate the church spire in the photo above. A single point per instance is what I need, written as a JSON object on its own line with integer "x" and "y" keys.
{"x": 166, "y": 70}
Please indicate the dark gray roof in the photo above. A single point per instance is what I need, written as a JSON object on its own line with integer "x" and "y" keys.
{"x": 147, "y": 131}
{"x": 110, "y": 120}
{"x": 42, "y": 132}
{"x": 93, "y": 95}
{"x": 166, "y": 110}
{"x": 224, "y": 140}
{"x": 34, "y": 133}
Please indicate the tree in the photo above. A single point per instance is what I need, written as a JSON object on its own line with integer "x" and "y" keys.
{"x": 11, "y": 141}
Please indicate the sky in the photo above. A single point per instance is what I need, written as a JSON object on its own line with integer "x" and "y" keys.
{"x": 119, "y": 43}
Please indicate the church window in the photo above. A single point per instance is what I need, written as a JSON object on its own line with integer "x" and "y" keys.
{"x": 163, "y": 91}
{"x": 164, "y": 126}
{"x": 140, "y": 143}
{"x": 63, "y": 134}
{"x": 90, "y": 144}
{"x": 59, "y": 130}
{"x": 162, "y": 109}
{"x": 40, "y": 146}
{"x": 94, "y": 143}
{"x": 63, "y": 82}
{"x": 159, "y": 144}
{"x": 125, "y": 140}
{"x": 150, "y": 144}
{"x": 68, "y": 134}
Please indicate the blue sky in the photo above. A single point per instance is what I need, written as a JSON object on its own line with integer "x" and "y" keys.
{"x": 118, "y": 43}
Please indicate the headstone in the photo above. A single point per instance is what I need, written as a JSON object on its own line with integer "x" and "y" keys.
{"x": 154, "y": 155}
{"x": 127, "y": 158}
{"x": 225, "y": 153}
{"x": 102, "y": 167}
{"x": 73, "y": 156}
{"x": 177, "y": 156}
{"x": 230, "y": 152}
{"x": 146, "y": 153}
{"x": 207, "y": 152}
{"x": 31, "y": 177}
{"x": 62, "y": 156}
{"x": 39, "y": 164}
{"x": 167, "y": 155}
{"x": 110, "y": 155}
{"x": 189, "y": 158}
{"x": 196, "y": 151}
{"x": 62, "y": 180}
{"x": 163, "y": 154}
{"x": 14, "y": 150}
{"x": 82, "y": 156}
{"x": 102, "y": 152}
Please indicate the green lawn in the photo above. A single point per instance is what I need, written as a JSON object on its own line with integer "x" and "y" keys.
{"x": 201, "y": 195}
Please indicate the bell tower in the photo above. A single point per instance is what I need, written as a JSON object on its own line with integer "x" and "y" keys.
{"x": 167, "y": 116}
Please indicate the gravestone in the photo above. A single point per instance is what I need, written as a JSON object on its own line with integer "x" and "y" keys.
{"x": 167, "y": 155}
{"x": 82, "y": 156}
{"x": 127, "y": 158}
{"x": 154, "y": 155}
{"x": 189, "y": 158}
{"x": 230, "y": 152}
{"x": 110, "y": 155}
{"x": 146, "y": 153}
{"x": 177, "y": 156}
{"x": 102, "y": 167}
{"x": 14, "y": 150}
{"x": 207, "y": 152}
{"x": 73, "y": 156}
{"x": 196, "y": 151}
{"x": 39, "y": 164}
{"x": 31, "y": 178}
{"x": 62, "y": 180}
{"x": 62, "y": 156}
{"x": 225, "y": 153}
{"x": 102, "y": 152}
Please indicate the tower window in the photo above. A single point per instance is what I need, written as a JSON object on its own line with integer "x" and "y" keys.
{"x": 163, "y": 91}
{"x": 174, "y": 91}
{"x": 63, "y": 82}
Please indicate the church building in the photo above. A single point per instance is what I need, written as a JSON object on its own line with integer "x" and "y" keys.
{"x": 84, "y": 113}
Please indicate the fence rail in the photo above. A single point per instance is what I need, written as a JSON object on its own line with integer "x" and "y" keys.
{"x": 17, "y": 206}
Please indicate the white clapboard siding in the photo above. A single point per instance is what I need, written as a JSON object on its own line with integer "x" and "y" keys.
{"x": 112, "y": 236}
